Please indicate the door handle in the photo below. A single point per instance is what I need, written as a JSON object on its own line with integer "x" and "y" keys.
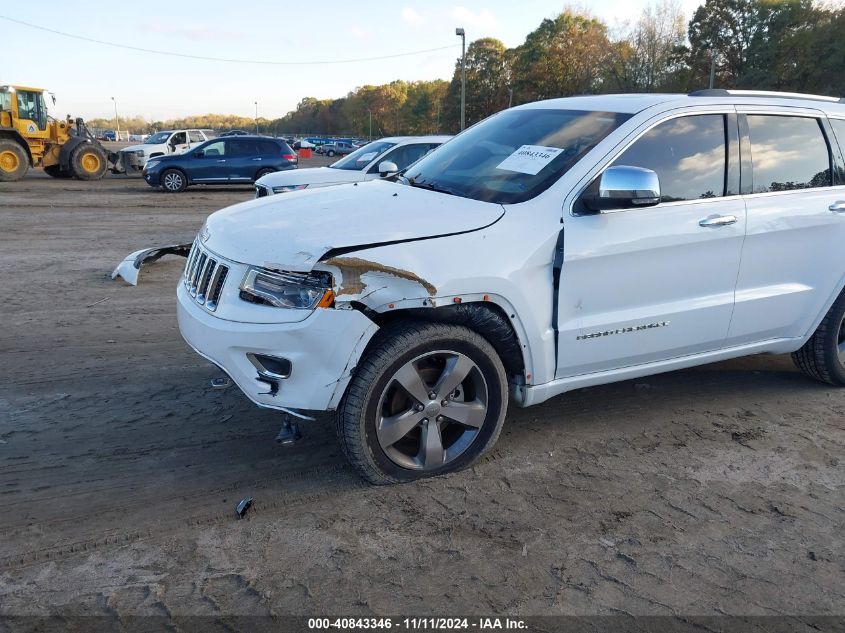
{"x": 222, "y": 160}
{"x": 714, "y": 221}
{"x": 256, "y": 159}
{"x": 838, "y": 206}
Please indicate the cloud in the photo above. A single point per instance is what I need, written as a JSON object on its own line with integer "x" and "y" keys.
{"x": 409, "y": 16}
{"x": 483, "y": 19}
{"x": 197, "y": 33}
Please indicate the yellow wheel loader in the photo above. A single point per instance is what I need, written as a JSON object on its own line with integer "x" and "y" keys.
{"x": 31, "y": 138}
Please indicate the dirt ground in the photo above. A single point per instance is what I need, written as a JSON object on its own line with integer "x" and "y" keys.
{"x": 711, "y": 491}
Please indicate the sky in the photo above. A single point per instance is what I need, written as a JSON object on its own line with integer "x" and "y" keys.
{"x": 84, "y": 76}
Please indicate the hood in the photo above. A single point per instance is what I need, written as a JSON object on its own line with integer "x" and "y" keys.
{"x": 135, "y": 148}
{"x": 293, "y": 231}
{"x": 311, "y": 176}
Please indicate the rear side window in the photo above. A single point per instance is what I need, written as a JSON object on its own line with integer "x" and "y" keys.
{"x": 269, "y": 147}
{"x": 242, "y": 147}
{"x": 195, "y": 136}
{"x": 689, "y": 155}
{"x": 787, "y": 153}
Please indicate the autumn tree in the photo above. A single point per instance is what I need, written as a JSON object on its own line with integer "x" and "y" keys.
{"x": 564, "y": 56}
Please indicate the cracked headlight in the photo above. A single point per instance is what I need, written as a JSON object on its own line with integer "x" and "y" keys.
{"x": 286, "y": 188}
{"x": 301, "y": 291}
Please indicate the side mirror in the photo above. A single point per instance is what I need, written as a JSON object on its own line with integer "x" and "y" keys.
{"x": 387, "y": 167}
{"x": 199, "y": 153}
{"x": 623, "y": 187}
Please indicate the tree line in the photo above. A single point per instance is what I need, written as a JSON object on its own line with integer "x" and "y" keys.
{"x": 788, "y": 45}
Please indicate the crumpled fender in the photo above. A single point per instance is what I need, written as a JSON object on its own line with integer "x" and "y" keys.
{"x": 130, "y": 267}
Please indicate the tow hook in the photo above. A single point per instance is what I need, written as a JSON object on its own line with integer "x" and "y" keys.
{"x": 290, "y": 433}
{"x": 222, "y": 382}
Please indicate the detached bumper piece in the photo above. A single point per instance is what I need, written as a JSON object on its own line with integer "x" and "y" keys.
{"x": 129, "y": 268}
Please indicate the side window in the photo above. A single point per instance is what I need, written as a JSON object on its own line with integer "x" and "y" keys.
{"x": 403, "y": 156}
{"x": 269, "y": 147}
{"x": 217, "y": 148}
{"x": 689, "y": 155}
{"x": 195, "y": 136}
{"x": 178, "y": 138}
{"x": 787, "y": 153}
{"x": 241, "y": 147}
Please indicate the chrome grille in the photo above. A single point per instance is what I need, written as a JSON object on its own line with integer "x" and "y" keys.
{"x": 204, "y": 277}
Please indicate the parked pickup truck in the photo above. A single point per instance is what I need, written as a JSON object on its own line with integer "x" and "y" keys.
{"x": 555, "y": 245}
{"x": 133, "y": 158}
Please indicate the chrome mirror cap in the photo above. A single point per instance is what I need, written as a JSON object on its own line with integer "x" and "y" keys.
{"x": 624, "y": 187}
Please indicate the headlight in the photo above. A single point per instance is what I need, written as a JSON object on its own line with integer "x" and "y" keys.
{"x": 139, "y": 153}
{"x": 286, "y": 188}
{"x": 302, "y": 291}
{"x": 151, "y": 163}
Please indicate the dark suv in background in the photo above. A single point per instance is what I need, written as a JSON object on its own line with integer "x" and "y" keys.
{"x": 220, "y": 161}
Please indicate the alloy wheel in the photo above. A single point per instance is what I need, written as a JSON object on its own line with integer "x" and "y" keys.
{"x": 431, "y": 410}
{"x": 172, "y": 181}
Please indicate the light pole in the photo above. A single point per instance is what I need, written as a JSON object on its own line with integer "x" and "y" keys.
{"x": 116, "y": 121}
{"x": 460, "y": 33}
{"x": 510, "y": 96}
{"x": 370, "y": 112}
{"x": 712, "y": 67}
{"x": 256, "y": 117}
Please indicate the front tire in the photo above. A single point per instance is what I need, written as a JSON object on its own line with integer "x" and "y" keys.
{"x": 173, "y": 181}
{"x": 89, "y": 162}
{"x": 823, "y": 356}
{"x": 330, "y": 153}
{"x": 426, "y": 400}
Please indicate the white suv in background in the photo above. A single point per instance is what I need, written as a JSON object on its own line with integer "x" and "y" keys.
{"x": 133, "y": 158}
{"x": 553, "y": 246}
{"x": 373, "y": 160}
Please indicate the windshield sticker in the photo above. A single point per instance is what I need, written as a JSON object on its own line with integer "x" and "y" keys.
{"x": 366, "y": 158}
{"x": 529, "y": 159}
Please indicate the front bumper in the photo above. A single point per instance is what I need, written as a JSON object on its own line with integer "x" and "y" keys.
{"x": 323, "y": 349}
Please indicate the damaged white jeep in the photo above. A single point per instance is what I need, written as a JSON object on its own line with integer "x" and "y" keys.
{"x": 553, "y": 246}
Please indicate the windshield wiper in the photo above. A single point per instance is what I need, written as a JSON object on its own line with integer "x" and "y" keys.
{"x": 431, "y": 187}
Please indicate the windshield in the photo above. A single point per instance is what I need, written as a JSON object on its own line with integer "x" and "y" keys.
{"x": 157, "y": 138}
{"x": 513, "y": 156}
{"x": 362, "y": 156}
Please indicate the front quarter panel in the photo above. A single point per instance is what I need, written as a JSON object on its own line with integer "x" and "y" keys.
{"x": 508, "y": 263}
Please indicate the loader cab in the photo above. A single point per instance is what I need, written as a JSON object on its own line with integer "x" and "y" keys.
{"x": 27, "y": 106}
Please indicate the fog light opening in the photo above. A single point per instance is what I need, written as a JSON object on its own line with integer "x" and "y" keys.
{"x": 271, "y": 366}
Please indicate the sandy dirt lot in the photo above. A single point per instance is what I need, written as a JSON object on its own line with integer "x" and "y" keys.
{"x": 703, "y": 492}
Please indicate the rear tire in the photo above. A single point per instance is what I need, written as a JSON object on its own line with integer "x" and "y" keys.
{"x": 89, "y": 162}
{"x": 14, "y": 161}
{"x": 391, "y": 435}
{"x": 823, "y": 356}
{"x": 263, "y": 172}
{"x": 56, "y": 171}
{"x": 173, "y": 181}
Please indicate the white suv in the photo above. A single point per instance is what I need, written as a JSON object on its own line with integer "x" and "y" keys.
{"x": 373, "y": 160}
{"x": 133, "y": 158}
{"x": 553, "y": 246}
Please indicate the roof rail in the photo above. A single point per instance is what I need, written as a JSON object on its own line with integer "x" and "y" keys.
{"x": 721, "y": 92}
